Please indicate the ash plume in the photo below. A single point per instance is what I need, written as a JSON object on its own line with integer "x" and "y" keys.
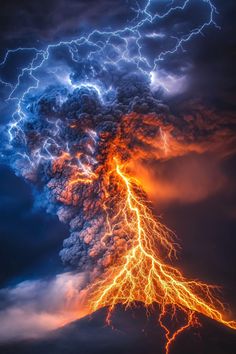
{"x": 71, "y": 133}
{"x": 67, "y": 137}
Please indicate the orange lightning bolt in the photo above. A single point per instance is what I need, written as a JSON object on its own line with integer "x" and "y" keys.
{"x": 143, "y": 275}
{"x": 140, "y": 269}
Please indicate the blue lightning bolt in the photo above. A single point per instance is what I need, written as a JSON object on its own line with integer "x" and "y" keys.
{"x": 100, "y": 44}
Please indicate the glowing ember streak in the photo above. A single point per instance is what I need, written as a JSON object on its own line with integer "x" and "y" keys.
{"x": 143, "y": 275}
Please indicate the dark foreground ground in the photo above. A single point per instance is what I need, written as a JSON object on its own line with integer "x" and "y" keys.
{"x": 132, "y": 334}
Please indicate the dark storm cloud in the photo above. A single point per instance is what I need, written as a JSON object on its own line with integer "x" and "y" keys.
{"x": 209, "y": 63}
{"x": 32, "y": 23}
{"x": 209, "y": 69}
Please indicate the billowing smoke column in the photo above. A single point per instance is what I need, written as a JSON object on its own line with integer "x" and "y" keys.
{"x": 65, "y": 145}
{"x": 64, "y": 148}
{"x": 85, "y": 118}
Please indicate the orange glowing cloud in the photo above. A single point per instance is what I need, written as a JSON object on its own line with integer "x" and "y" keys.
{"x": 185, "y": 179}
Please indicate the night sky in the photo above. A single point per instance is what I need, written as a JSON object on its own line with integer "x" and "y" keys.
{"x": 194, "y": 195}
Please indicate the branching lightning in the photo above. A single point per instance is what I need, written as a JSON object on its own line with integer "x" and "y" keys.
{"x": 143, "y": 275}
{"x": 143, "y": 270}
{"x": 101, "y": 41}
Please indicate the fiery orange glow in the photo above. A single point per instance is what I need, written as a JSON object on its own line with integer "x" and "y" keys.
{"x": 140, "y": 266}
{"x": 142, "y": 274}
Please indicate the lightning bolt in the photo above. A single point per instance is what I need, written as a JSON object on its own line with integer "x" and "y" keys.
{"x": 141, "y": 274}
{"x": 100, "y": 42}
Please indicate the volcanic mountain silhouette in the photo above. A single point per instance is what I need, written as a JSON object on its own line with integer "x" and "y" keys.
{"x": 131, "y": 333}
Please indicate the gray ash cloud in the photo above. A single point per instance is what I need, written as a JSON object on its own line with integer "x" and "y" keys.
{"x": 69, "y": 130}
